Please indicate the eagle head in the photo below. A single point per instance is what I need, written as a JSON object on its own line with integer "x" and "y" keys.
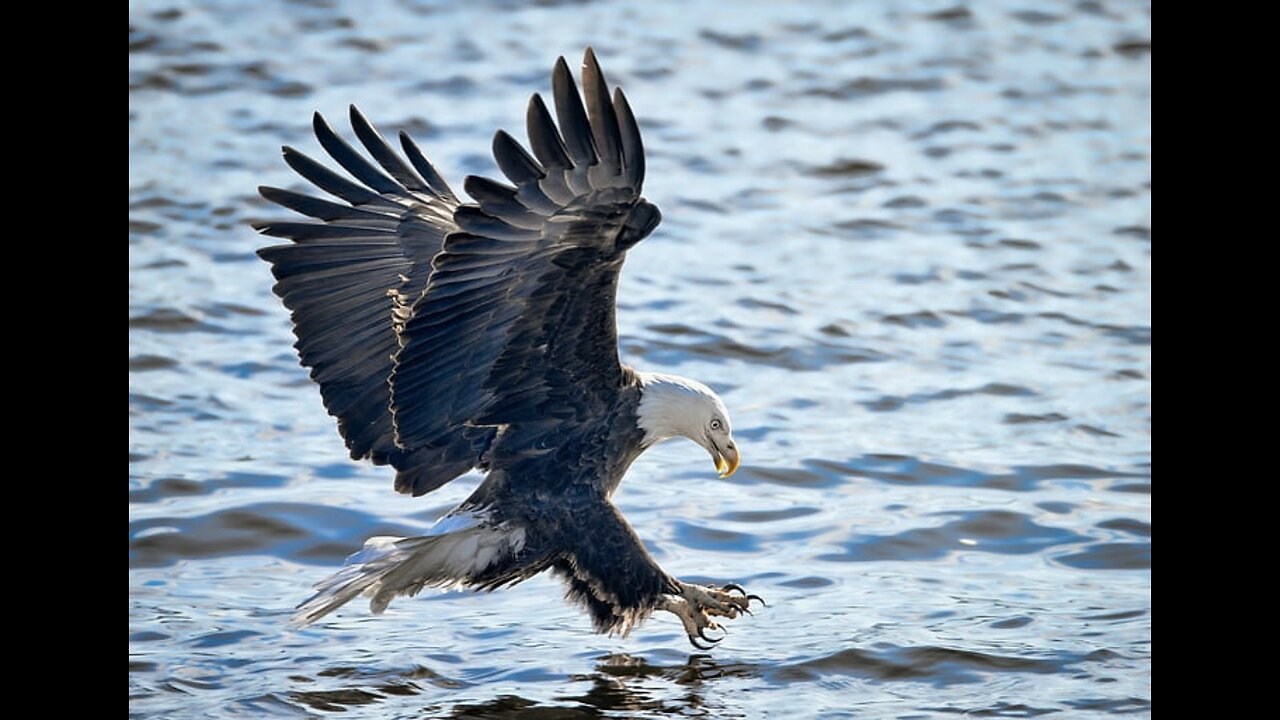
{"x": 672, "y": 406}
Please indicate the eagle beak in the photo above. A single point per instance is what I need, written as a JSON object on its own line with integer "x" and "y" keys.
{"x": 727, "y": 461}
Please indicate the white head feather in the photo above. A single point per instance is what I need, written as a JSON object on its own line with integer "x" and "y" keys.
{"x": 672, "y": 406}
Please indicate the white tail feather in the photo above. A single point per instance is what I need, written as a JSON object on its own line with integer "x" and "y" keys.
{"x": 458, "y": 547}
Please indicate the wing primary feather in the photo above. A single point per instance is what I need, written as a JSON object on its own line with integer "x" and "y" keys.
{"x": 303, "y": 231}
{"x": 323, "y": 209}
{"x": 516, "y": 163}
{"x": 632, "y": 147}
{"x": 574, "y": 125}
{"x": 425, "y": 168}
{"x": 604, "y": 122}
{"x": 543, "y": 136}
{"x": 348, "y": 158}
{"x": 333, "y": 183}
{"x": 386, "y": 157}
{"x": 522, "y": 169}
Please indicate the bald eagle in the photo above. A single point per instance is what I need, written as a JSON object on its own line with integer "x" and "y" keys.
{"x": 447, "y": 336}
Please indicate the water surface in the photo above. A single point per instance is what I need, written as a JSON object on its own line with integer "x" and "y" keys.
{"x": 910, "y": 245}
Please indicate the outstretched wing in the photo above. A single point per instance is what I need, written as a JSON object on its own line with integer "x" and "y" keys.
{"x": 517, "y": 322}
{"x": 340, "y": 273}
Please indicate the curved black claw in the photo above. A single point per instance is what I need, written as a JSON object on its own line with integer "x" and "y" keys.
{"x": 713, "y": 641}
{"x": 756, "y": 597}
{"x": 733, "y": 586}
{"x": 694, "y": 642}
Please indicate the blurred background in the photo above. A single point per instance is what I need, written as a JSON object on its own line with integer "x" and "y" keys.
{"x": 908, "y": 242}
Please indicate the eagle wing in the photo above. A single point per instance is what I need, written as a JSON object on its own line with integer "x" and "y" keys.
{"x": 337, "y": 276}
{"x": 427, "y": 322}
{"x": 517, "y": 323}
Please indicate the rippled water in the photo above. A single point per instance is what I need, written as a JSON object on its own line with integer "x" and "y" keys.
{"x": 909, "y": 243}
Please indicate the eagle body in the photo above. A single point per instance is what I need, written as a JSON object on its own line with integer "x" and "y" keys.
{"x": 447, "y": 336}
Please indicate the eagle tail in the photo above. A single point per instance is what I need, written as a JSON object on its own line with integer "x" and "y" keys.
{"x": 453, "y": 552}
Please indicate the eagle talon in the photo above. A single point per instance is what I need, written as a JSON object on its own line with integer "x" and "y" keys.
{"x": 694, "y": 642}
{"x": 702, "y": 634}
{"x": 756, "y": 597}
{"x": 697, "y": 605}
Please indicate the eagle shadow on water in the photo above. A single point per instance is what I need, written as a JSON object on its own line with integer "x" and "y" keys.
{"x": 447, "y": 336}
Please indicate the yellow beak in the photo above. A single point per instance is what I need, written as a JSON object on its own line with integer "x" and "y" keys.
{"x": 727, "y": 462}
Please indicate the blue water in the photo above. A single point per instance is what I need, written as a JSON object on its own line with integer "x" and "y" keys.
{"x": 910, "y": 245}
